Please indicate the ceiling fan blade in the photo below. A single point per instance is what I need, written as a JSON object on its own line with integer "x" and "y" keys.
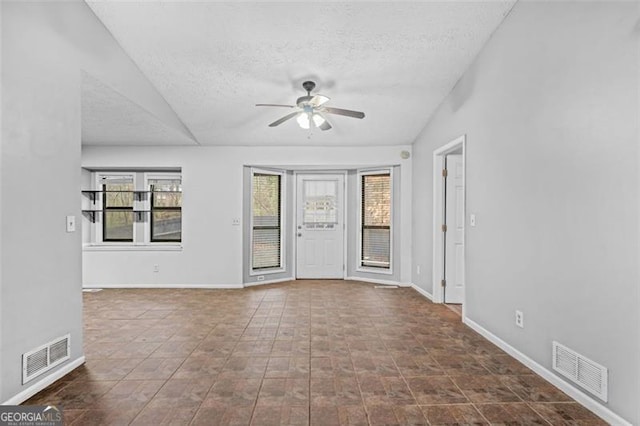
{"x": 325, "y": 125}
{"x": 318, "y": 100}
{"x": 283, "y": 119}
{"x": 346, "y": 112}
{"x": 277, "y": 105}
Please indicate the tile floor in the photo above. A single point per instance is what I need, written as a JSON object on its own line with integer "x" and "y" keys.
{"x": 303, "y": 352}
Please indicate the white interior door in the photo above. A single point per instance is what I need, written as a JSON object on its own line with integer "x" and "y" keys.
{"x": 320, "y": 226}
{"x": 454, "y": 211}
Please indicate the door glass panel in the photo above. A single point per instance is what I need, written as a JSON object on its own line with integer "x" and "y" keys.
{"x": 320, "y": 208}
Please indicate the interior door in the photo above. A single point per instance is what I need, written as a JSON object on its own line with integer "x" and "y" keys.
{"x": 454, "y": 213}
{"x": 320, "y": 226}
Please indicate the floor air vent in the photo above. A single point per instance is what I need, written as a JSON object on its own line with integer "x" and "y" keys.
{"x": 581, "y": 370}
{"x": 44, "y": 358}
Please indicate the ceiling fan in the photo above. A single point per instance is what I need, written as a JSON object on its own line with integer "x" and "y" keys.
{"x": 310, "y": 110}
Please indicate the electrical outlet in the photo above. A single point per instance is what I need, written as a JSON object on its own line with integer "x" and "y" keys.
{"x": 235, "y": 222}
{"x": 520, "y": 319}
{"x": 156, "y": 268}
{"x": 260, "y": 278}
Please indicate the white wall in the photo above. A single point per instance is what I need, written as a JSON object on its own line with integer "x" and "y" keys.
{"x": 212, "y": 198}
{"x": 40, "y": 140}
{"x": 45, "y": 47}
{"x": 550, "y": 110}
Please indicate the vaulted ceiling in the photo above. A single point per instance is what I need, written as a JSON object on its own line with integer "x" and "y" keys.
{"x": 213, "y": 61}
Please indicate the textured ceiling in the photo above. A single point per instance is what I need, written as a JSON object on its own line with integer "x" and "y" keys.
{"x": 213, "y": 61}
{"x": 109, "y": 118}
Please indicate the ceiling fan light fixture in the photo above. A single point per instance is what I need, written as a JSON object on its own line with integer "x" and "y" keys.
{"x": 303, "y": 120}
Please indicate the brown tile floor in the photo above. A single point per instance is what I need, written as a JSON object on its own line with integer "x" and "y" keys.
{"x": 304, "y": 352}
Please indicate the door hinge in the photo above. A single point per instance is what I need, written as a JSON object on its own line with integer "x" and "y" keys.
{"x": 444, "y": 173}
{"x": 443, "y": 283}
{"x": 444, "y": 228}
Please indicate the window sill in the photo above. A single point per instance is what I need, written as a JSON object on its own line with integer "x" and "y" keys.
{"x": 132, "y": 247}
{"x": 380, "y": 271}
{"x": 257, "y": 272}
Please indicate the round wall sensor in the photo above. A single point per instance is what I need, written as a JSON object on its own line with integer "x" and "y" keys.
{"x": 405, "y": 154}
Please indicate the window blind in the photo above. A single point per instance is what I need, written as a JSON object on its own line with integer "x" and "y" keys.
{"x": 174, "y": 181}
{"x": 376, "y": 220}
{"x": 267, "y": 223}
{"x": 116, "y": 180}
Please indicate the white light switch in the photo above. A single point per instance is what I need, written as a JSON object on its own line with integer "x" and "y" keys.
{"x": 71, "y": 223}
{"x": 472, "y": 219}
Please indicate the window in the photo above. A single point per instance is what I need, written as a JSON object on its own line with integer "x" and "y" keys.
{"x": 266, "y": 220}
{"x": 166, "y": 209}
{"x": 375, "y": 211}
{"x": 117, "y": 208}
{"x": 135, "y": 209}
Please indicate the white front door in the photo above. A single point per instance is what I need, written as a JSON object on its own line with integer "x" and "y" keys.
{"x": 320, "y": 226}
{"x": 454, "y": 207}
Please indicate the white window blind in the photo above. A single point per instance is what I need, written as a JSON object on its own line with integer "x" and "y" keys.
{"x": 114, "y": 180}
{"x": 267, "y": 221}
{"x": 376, "y": 220}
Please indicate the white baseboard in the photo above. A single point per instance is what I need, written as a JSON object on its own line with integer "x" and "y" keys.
{"x": 582, "y": 398}
{"x": 422, "y": 291}
{"x": 208, "y": 286}
{"x": 38, "y": 386}
{"x": 279, "y": 280}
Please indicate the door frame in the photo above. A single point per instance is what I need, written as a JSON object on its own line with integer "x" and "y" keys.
{"x": 438, "y": 199}
{"x": 294, "y": 222}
